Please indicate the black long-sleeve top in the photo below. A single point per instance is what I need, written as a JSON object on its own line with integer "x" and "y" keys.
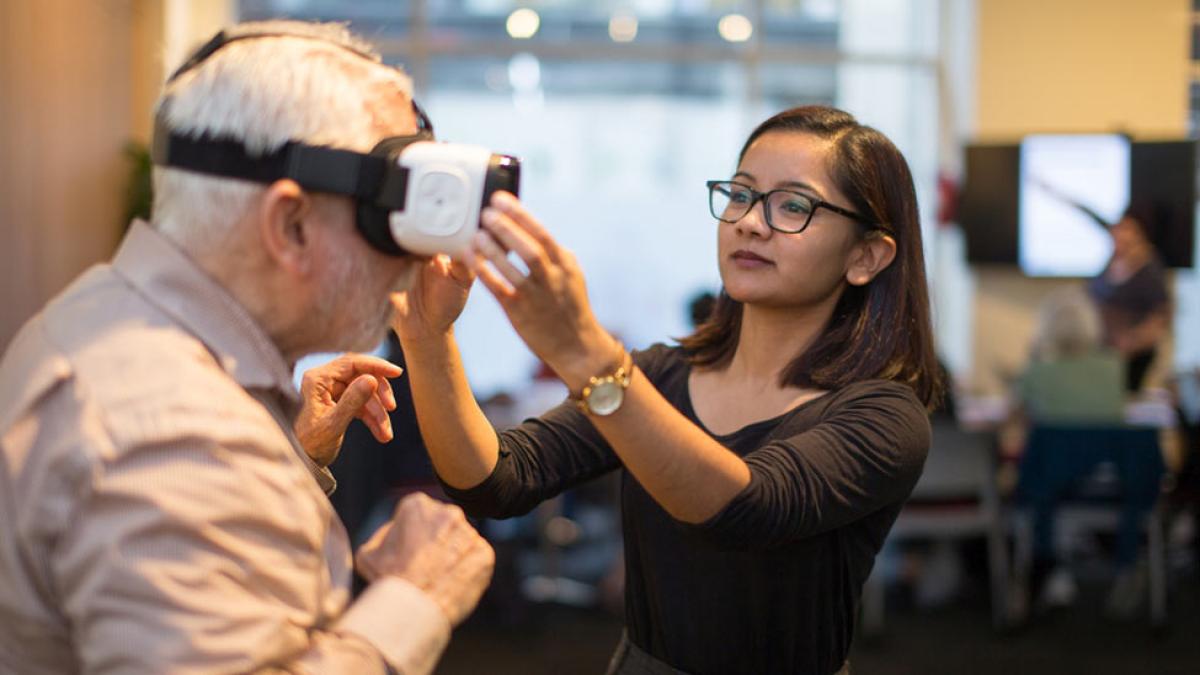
{"x": 771, "y": 583}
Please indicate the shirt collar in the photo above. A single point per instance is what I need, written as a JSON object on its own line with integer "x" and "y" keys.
{"x": 174, "y": 283}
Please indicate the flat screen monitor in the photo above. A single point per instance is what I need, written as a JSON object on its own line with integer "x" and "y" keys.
{"x": 1035, "y": 204}
{"x": 1071, "y": 188}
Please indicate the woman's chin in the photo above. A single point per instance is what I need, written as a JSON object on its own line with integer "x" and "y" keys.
{"x": 747, "y": 295}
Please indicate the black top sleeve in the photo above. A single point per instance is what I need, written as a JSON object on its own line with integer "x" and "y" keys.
{"x": 865, "y": 453}
{"x": 544, "y": 456}
{"x": 538, "y": 460}
{"x": 819, "y": 467}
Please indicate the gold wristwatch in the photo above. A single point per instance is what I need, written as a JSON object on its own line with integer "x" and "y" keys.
{"x": 604, "y": 394}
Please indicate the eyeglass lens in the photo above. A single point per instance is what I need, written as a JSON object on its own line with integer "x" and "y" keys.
{"x": 787, "y": 210}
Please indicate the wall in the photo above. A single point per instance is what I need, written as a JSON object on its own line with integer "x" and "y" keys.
{"x": 64, "y": 117}
{"x": 77, "y": 82}
{"x": 1083, "y": 65}
{"x": 1067, "y": 66}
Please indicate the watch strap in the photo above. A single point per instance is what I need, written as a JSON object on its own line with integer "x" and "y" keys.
{"x": 621, "y": 376}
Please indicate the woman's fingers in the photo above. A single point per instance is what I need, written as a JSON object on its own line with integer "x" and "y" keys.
{"x": 497, "y": 255}
{"x": 511, "y": 237}
{"x": 508, "y": 204}
{"x": 492, "y": 280}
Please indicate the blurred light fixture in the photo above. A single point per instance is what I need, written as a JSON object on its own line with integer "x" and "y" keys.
{"x": 523, "y": 24}
{"x": 525, "y": 78}
{"x": 735, "y": 28}
{"x": 623, "y": 27}
{"x": 524, "y": 72}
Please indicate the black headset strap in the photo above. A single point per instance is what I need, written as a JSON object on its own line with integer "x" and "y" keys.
{"x": 315, "y": 168}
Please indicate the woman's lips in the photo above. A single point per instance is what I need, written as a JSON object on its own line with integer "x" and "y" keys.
{"x": 749, "y": 259}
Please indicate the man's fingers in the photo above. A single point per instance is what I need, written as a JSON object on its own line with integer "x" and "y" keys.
{"x": 386, "y": 395}
{"x": 365, "y": 557}
{"x": 373, "y": 413}
{"x": 377, "y": 420}
{"x": 376, "y": 539}
{"x": 357, "y": 395}
{"x": 350, "y": 365}
{"x": 415, "y": 502}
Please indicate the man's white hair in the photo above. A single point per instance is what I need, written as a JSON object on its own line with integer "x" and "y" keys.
{"x": 307, "y": 82}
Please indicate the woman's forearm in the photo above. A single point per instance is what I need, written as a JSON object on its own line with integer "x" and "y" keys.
{"x": 461, "y": 441}
{"x": 687, "y": 472}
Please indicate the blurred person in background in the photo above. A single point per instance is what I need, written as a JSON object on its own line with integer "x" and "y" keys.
{"x": 1131, "y": 291}
{"x": 1072, "y": 398}
{"x": 161, "y": 512}
{"x": 1131, "y": 294}
{"x": 764, "y": 459}
{"x": 700, "y": 307}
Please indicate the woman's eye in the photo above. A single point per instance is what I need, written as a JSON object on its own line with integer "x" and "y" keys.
{"x": 740, "y": 196}
{"x": 796, "y": 206}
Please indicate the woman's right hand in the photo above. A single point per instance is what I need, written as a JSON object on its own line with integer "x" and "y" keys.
{"x": 433, "y": 303}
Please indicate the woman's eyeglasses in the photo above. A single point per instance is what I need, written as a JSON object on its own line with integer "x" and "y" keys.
{"x": 786, "y": 210}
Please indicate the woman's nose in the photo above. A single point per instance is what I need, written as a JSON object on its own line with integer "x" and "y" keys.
{"x": 754, "y": 223}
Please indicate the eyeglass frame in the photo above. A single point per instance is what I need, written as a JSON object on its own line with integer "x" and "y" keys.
{"x": 757, "y": 197}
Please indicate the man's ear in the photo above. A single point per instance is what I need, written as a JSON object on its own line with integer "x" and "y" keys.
{"x": 283, "y": 227}
{"x": 869, "y": 257}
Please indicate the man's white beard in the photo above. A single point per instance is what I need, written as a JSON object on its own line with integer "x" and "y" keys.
{"x": 346, "y": 304}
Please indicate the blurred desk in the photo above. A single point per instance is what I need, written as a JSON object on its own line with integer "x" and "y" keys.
{"x": 990, "y": 413}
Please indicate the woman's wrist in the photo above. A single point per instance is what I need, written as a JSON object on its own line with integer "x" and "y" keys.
{"x": 426, "y": 341}
{"x": 603, "y": 356}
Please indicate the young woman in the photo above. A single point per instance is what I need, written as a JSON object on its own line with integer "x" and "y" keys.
{"x": 765, "y": 458}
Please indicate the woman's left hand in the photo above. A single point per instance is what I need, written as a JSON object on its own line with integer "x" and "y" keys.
{"x": 548, "y": 307}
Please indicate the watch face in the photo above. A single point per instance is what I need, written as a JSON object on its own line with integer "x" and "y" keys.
{"x": 605, "y": 398}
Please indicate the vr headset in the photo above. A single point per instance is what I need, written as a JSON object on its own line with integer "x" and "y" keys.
{"x": 414, "y": 195}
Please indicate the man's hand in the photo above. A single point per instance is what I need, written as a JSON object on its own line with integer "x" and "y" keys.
{"x": 433, "y": 547}
{"x": 350, "y": 386}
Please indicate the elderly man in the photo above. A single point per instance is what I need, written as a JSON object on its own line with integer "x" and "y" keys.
{"x": 158, "y": 512}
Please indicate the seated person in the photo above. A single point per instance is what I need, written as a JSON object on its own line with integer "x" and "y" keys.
{"x": 164, "y": 489}
{"x": 1071, "y": 378}
{"x": 1072, "y": 398}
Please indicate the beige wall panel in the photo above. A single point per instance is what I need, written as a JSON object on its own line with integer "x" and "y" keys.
{"x": 1083, "y": 65}
{"x": 64, "y": 92}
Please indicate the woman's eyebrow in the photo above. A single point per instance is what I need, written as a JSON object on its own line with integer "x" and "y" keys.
{"x": 803, "y": 186}
{"x": 788, "y": 184}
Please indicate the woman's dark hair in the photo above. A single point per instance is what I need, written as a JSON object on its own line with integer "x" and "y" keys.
{"x": 880, "y": 330}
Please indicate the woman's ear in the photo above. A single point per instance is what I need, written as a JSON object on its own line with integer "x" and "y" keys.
{"x": 869, "y": 257}
{"x": 282, "y": 226}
